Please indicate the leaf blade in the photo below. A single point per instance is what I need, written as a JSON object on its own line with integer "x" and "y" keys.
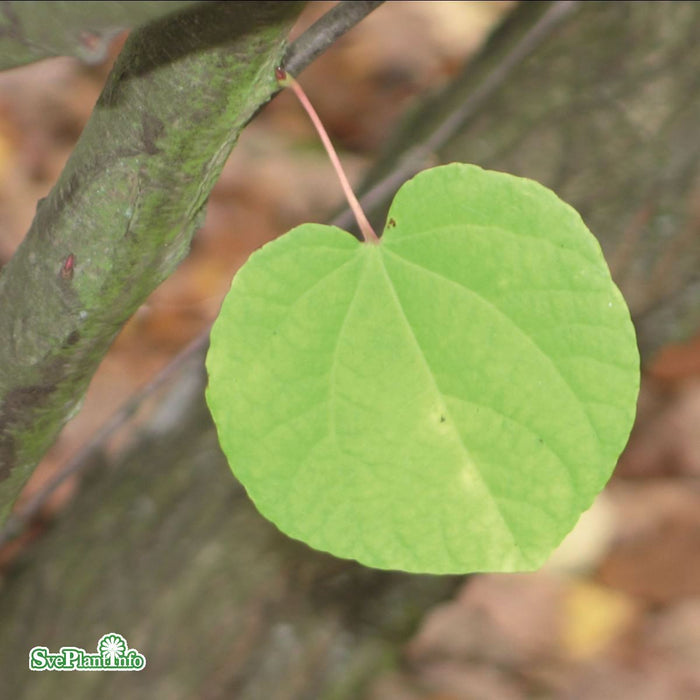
{"x": 448, "y": 401}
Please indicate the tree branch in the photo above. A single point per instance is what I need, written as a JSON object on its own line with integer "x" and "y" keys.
{"x": 121, "y": 248}
{"x": 124, "y": 209}
{"x": 324, "y": 32}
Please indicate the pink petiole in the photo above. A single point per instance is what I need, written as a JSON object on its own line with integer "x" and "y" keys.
{"x": 284, "y": 79}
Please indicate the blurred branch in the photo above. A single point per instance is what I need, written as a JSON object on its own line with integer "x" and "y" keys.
{"x": 323, "y": 33}
{"x": 31, "y": 31}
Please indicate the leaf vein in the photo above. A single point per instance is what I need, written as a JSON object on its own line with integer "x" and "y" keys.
{"x": 513, "y": 323}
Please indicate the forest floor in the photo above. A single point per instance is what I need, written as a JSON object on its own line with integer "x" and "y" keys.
{"x": 616, "y": 613}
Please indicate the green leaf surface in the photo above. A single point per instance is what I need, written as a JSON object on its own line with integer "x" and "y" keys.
{"x": 450, "y": 400}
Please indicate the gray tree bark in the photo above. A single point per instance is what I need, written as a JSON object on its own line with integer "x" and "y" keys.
{"x": 162, "y": 545}
{"x": 125, "y": 208}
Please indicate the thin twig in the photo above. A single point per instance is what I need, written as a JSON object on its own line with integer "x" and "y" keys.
{"x": 324, "y": 32}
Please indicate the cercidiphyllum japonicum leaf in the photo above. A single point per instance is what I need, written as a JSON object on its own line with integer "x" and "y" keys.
{"x": 450, "y": 400}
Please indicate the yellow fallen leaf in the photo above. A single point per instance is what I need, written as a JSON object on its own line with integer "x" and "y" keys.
{"x": 592, "y": 617}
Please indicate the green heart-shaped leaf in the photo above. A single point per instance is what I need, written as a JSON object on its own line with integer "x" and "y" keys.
{"x": 449, "y": 400}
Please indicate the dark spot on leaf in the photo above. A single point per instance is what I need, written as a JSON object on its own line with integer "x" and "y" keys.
{"x": 442, "y": 419}
{"x": 391, "y": 223}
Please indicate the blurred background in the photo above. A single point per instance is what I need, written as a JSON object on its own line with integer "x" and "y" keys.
{"x": 616, "y": 613}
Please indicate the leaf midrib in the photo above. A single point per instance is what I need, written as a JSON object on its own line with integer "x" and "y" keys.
{"x": 463, "y": 448}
